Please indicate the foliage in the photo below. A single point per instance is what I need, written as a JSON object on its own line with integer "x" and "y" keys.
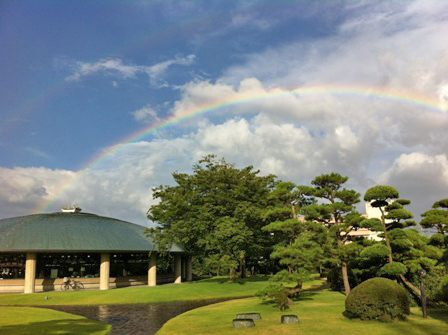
{"x": 393, "y": 269}
{"x": 380, "y": 195}
{"x": 437, "y": 217}
{"x": 215, "y": 212}
{"x": 412, "y": 249}
{"x": 411, "y": 252}
{"x": 443, "y": 289}
{"x": 394, "y": 218}
{"x": 298, "y": 249}
{"x": 373, "y": 224}
{"x": 376, "y": 251}
{"x": 378, "y": 299}
{"x": 276, "y": 293}
{"x": 433, "y": 282}
{"x": 302, "y": 254}
{"x": 336, "y": 212}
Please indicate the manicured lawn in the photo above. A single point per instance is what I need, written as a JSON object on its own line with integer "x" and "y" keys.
{"x": 207, "y": 289}
{"x": 42, "y": 321}
{"x": 320, "y": 312}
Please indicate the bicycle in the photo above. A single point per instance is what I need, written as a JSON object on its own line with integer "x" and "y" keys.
{"x": 72, "y": 284}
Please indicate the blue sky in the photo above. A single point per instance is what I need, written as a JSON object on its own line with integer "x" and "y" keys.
{"x": 46, "y": 40}
{"x": 79, "y": 77}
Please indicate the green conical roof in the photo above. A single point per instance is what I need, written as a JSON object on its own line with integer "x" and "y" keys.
{"x": 72, "y": 232}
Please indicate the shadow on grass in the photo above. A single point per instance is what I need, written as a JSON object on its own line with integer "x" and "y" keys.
{"x": 418, "y": 327}
{"x": 55, "y": 327}
{"x": 440, "y": 313}
{"x": 241, "y": 281}
{"x": 306, "y": 295}
{"x": 303, "y": 296}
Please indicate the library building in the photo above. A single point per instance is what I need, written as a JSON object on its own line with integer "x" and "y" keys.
{"x": 39, "y": 252}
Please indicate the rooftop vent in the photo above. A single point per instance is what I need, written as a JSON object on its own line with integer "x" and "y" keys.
{"x": 71, "y": 209}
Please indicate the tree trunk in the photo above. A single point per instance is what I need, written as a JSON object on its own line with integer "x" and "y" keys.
{"x": 345, "y": 277}
{"x": 295, "y": 290}
{"x": 293, "y": 210}
{"x": 410, "y": 286}
{"x": 386, "y": 236}
{"x": 344, "y": 269}
{"x": 232, "y": 274}
{"x": 243, "y": 266}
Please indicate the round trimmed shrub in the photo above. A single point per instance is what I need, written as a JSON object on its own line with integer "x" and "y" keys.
{"x": 377, "y": 299}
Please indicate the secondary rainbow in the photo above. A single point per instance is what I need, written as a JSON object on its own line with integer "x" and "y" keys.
{"x": 236, "y": 99}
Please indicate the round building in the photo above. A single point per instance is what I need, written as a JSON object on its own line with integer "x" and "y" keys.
{"x": 38, "y": 251}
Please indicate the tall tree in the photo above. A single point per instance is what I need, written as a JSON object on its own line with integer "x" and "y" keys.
{"x": 393, "y": 214}
{"x": 215, "y": 212}
{"x": 393, "y": 219}
{"x": 437, "y": 217}
{"x": 334, "y": 214}
{"x": 298, "y": 247}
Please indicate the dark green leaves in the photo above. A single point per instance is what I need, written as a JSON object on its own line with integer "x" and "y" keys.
{"x": 393, "y": 269}
{"x": 216, "y": 211}
{"x": 380, "y": 194}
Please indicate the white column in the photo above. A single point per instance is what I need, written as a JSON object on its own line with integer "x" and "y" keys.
{"x": 30, "y": 272}
{"x": 104, "y": 271}
{"x": 152, "y": 271}
{"x": 189, "y": 268}
{"x": 177, "y": 269}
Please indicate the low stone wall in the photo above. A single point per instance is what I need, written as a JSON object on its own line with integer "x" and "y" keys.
{"x": 45, "y": 285}
{"x": 12, "y": 285}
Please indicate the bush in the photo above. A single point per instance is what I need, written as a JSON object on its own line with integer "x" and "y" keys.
{"x": 443, "y": 289}
{"x": 276, "y": 293}
{"x": 377, "y": 299}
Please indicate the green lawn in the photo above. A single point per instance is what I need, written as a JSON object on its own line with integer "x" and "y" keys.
{"x": 42, "y": 321}
{"x": 320, "y": 312}
{"x": 26, "y": 320}
{"x": 207, "y": 289}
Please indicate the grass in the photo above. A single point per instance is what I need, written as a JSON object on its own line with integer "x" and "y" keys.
{"x": 320, "y": 312}
{"x": 36, "y": 321}
{"x": 218, "y": 287}
{"x": 42, "y": 321}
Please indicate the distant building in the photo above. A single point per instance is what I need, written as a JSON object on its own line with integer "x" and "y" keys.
{"x": 371, "y": 213}
{"x": 38, "y": 251}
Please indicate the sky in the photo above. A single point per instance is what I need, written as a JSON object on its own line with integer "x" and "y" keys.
{"x": 101, "y": 101}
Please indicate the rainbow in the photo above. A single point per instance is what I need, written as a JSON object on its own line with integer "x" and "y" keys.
{"x": 237, "y": 99}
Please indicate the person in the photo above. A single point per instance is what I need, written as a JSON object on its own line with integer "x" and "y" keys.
{"x": 66, "y": 281}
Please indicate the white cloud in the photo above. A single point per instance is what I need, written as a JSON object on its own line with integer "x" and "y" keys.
{"x": 443, "y": 96}
{"x": 394, "y": 48}
{"x": 111, "y": 66}
{"x": 116, "y": 67}
{"x": 121, "y": 186}
{"x": 146, "y": 114}
{"x": 421, "y": 177}
{"x": 23, "y": 189}
{"x": 397, "y": 47}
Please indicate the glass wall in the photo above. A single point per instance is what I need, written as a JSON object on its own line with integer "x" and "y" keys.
{"x": 60, "y": 265}
{"x": 12, "y": 266}
{"x": 165, "y": 264}
{"x": 129, "y": 264}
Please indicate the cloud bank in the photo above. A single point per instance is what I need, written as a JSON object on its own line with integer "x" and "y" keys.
{"x": 398, "y": 48}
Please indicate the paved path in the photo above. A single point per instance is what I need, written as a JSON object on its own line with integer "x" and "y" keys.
{"x": 136, "y": 319}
